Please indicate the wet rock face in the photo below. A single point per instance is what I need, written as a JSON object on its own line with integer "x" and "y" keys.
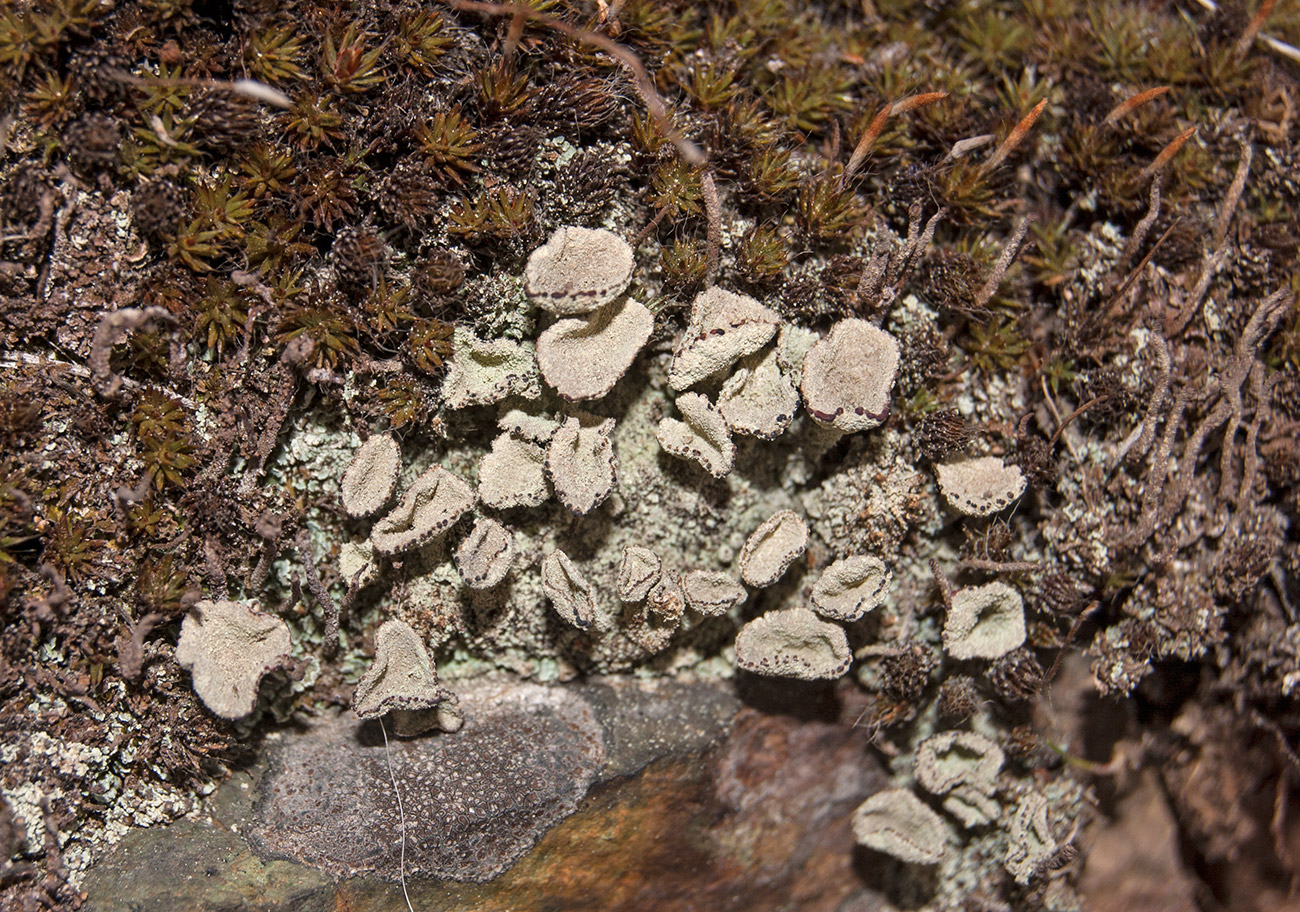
{"x": 475, "y": 801}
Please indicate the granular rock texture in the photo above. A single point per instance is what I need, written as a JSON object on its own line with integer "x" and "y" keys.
{"x": 475, "y": 801}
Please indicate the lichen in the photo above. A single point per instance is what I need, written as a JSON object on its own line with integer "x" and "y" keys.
{"x": 793, "y": 643}
{"x": 898, "y": 823}
{"x": 984, "y": 622}
{"x": 228, "y": 646}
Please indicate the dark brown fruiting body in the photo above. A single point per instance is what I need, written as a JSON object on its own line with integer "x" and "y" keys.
{"x": 904, "y": 676}
{"x": 158, "y": 208}
{"x": 941, "y": 434}
{"x": 359, "y": 258}
{"x": 959, "y": 698}
{"x": 91, "y": 142}
{"x": 1017, "y": 677}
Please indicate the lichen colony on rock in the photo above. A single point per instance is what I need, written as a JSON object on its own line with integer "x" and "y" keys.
{"x": 883, "y": 358}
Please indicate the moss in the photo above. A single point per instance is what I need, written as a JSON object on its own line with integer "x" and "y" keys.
{"x": 448, "y": 144}
{"x": 76, "y": 539}
{"x": 162, "y": 431}
{"x": 996, "y": 346}
{"x": 684, "y": 265}
{"x": 222, "y": 315}
{"x": 827, "y": 211}
{"x": 273, "y": 54}
{"x": 331, "y": 331}
{"x": 762, "y": 257}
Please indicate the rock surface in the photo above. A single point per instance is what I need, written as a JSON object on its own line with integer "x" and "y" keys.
{"x": 696, "y": 800}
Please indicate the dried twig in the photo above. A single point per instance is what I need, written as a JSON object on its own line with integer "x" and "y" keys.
{"x": 1060, "y": 428}
{"x": 1086, "y": 613}
{"x": 645, "y": 232}
{"x": 641, "y": 80}
{"x": 869, "y": 136}
{"x": 257, "y": 578}
{"x": 401, "y": 816}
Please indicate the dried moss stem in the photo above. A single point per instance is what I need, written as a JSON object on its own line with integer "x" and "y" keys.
{"x": 1136, "y": 445}
{"x": 650, "y": 227}
{"x": 1009, "y": 252}
{"x": 713, "y": 214}
{"x": 1051, "y": 442}
{"x": 1229, "y": 204}
{"x": 1086, "y": 613}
